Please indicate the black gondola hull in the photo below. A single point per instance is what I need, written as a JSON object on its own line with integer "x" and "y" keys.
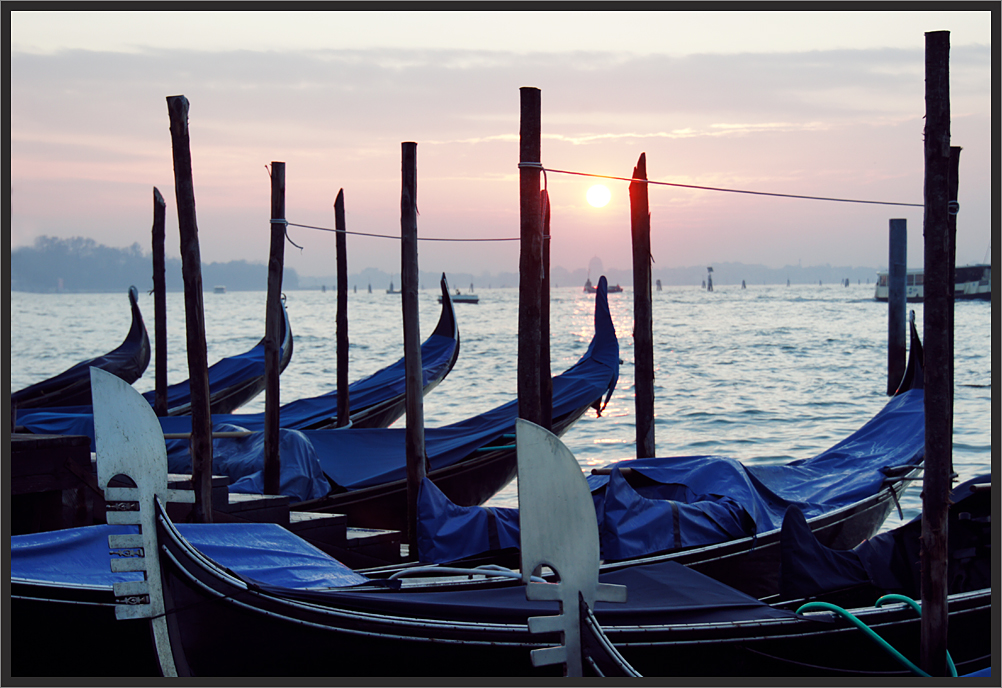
{"x": 72, "y": 387}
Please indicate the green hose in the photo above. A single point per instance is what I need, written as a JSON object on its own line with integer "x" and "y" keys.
{"x": 872, "y": 635}
{"x": 918, "y": 610}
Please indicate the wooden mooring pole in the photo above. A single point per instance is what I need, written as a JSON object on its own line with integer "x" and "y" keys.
{"x": 897, "y": 268}
{"x": 273, "y": 334}
{"x": 938, "y": 367}
{"x": 530, "y": 269}
{"x": 545, "y": 375}
{"x": 194, "y": 311}
{"x": 343, "y": 402}
{"x": 414, "y": 437}
{"x": 159, "y": 303}
{"x": 643, "y": 328}
{"x": 953, "y": 188}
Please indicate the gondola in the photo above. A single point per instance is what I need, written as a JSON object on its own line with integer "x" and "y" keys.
{"x": 233, "y": 381}
{"x": 361, "y": 472}
{"x": 240, "y": 601}
{"x": 713, "y": 514}
{"x": 376, "y": 401}
{"x": 228, "y": 607}
{"x": 72, "y": 387}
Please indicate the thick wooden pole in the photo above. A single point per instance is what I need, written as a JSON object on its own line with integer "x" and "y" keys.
{"x": 897, "y": 268}
{"x": 273, "y": 334}
{"x": 194, "y": 311}
{"x": 343, "y": 402}
{"x": 159, "y": 303}
{"x": 414, "y": 442}
{"x": 530, "y": 270}
{"x": 643, "y": 328}
{"x": 545, "y": 376}
{"x": 938, "y": 364}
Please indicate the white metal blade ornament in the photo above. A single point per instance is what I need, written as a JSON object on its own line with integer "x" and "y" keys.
{"x": 559, "y": 529}
{"x": 130, "y": 443}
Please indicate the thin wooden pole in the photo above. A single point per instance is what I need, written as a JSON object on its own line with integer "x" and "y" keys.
{"x": 953, "y": 209}
{"x": 409, "y": 277}
{"x": 273, "y": 334}
{"x": 545, "y": 376}
{"x": 194, "y": 311}
{"x": 938, "y": 364}
{"x": 343, "y": 402}
{"x": 159, "y": 303}
{"x": 897, "y": 268}
{"x": 643, "y": 328}
{"x": 530, "y": 270}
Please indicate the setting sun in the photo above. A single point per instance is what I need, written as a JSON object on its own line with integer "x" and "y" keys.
{"x": 599, "y": 195}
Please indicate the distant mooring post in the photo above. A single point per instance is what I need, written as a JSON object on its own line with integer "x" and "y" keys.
{"x": 897, "y": 261}
{"x": 343, "y": 402}
{"x": 530, "y": 269}
{"x": 273, "y": 325}
{"x": 414, "y": 437}
{"x": 545, "y": 377}
{"x": 937, "y": 322}
{"x": 159, "y": 303}
{"x": 194, "y": 311}
{"x": 643, "y": 327}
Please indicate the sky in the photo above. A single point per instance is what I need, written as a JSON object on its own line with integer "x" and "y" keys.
{"x": 816, "y": 103}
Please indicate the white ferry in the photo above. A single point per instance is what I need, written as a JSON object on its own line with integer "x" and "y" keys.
{"x": 972, "y": 282}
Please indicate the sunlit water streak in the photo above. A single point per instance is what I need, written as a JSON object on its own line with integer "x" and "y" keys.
{"x": 767, "y": 374}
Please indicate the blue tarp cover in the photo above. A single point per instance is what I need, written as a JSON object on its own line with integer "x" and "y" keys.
{"x": 890, "y": 561}
{"x": 265, "y": 552}
{"x": 703, "y": 500}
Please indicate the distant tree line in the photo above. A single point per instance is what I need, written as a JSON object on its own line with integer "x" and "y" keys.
{"x": 79, "y": 264}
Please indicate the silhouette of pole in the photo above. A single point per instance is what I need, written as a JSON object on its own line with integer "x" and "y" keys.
{"x": 643, "y": 327}
{"x": 545, "y": 376}
{"x": 530, "y": 269}
{"x": 159, "y": 303}
{"x": 273, "y": 334}
{"x": 897, "y": 262}
{"x": 937, "y": 348}
{"x": 194, "y": 311}
{"x": 409, "y": 277}
{"x": 343, "y": 402}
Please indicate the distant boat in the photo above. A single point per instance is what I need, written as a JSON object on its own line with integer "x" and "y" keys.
{"x": 391, "y": 290}
{"x": 219, "y": 289}
{"x": 460, "y": 297}
{"x": 709, "y": 279}
{"x": 589, "y": 288}
{"x": 970, "y": 282}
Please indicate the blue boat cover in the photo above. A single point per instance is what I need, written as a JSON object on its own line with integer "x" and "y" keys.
{"x": 264, "y": 552}
{"x": 891, "y": 561}
{"x": 436, "y": 354}
{"x": 703, "y": 500}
